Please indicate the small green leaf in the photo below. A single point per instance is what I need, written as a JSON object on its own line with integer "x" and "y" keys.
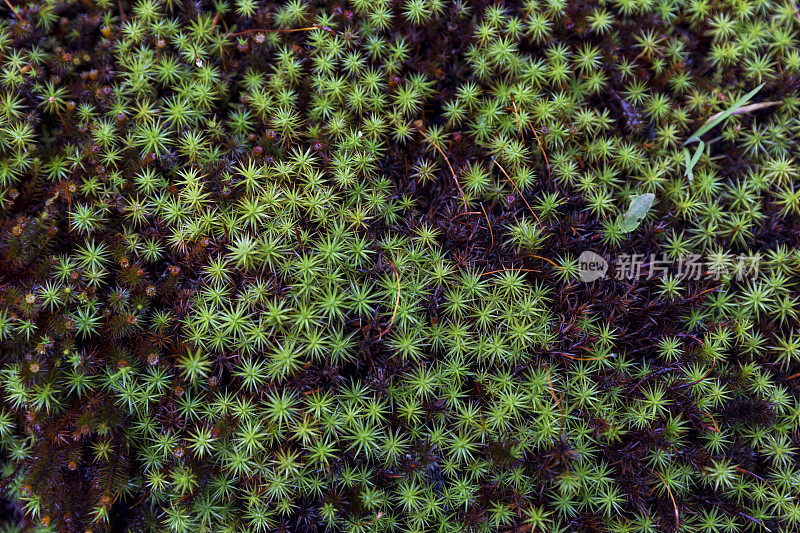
{"x": 640, "y": 206}
{"x": 692, "y": 161}
{"x": 719, "y": 117}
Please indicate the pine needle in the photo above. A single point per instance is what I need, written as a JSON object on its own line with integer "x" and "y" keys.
{"x": 397, "y": 301}
{"x": 420, "y": 126}
{"x": 545, "y": 259}
{"x": 491, "y": 233}
{"x": 510, "y": 269}
{"x": 14, "y": 10}
{"x": 674, "y": 505}
{"x": 536, "y": 136}
{"x": 518, "y": 191}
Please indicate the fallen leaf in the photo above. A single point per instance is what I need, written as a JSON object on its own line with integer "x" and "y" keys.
{"x": 640, "y": 206}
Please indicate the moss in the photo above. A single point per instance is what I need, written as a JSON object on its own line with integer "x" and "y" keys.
{"x": 298, "y": 266}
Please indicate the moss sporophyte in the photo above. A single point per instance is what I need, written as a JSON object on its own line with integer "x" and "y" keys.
{"x": 399, "y": 265}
